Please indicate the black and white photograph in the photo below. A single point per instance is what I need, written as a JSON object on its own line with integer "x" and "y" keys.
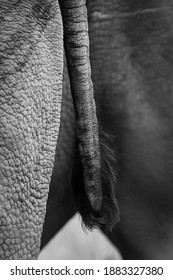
{"x": 86, "y": 130}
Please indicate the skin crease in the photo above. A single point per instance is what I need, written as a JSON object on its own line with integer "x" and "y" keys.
{"x": 32, "y": 37}
{"x": 131, "y": 58}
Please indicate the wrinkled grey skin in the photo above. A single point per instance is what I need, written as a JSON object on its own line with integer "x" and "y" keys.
{"x": 31, "y": 84}
{"x": 31, "y": 72}
{"x": 131, "y": 46}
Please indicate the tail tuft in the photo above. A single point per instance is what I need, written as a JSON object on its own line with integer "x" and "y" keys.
{"x": 108, "y": 216}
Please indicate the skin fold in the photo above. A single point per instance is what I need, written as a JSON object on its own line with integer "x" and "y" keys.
{"x": 131, "y": 62}
{"x": 33, "y": 34}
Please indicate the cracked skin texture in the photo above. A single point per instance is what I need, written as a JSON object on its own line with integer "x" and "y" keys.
{"x": 31, "y": 69}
